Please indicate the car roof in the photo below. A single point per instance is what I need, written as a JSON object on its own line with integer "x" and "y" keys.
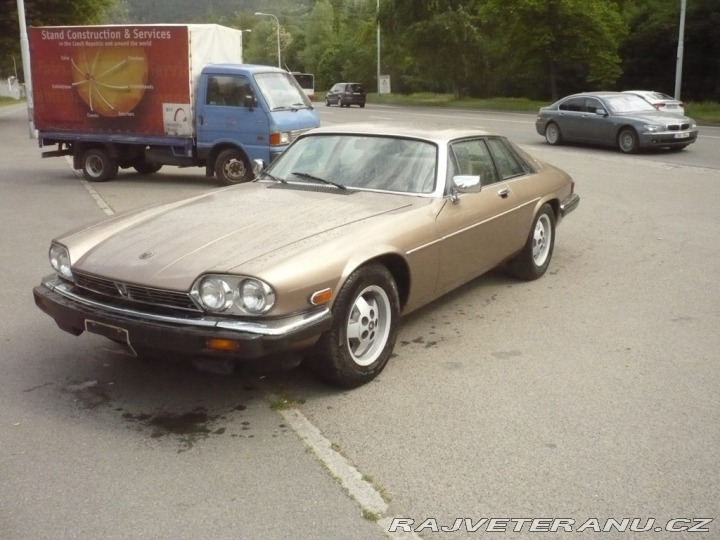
{"x": 439, "y": 136}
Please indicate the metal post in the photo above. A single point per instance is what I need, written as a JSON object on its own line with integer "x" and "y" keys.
{"x": 680, "y": 49}
{"x": 25, "y": 52}
{"x": 378, "y": 46}
{"x": 277, "y": 21}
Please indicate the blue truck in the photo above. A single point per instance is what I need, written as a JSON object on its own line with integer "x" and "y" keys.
{"x": 144, "y": 96}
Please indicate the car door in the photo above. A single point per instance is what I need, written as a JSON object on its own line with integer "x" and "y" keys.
{"x": 597, "y": 128}
{"x": 571, "y": 117}
{"x": 333, "y": 95}
{"x": 479, "y": 230}
{"x": 226, "y": 114}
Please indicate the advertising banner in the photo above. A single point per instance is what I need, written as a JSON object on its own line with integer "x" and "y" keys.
{"x": 111, "y": 79}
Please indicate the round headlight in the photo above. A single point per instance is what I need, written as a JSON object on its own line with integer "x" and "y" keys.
{"x": 256, "y": 296}
{"x": 215, "y": 294}
{"x": 60, "y": 260}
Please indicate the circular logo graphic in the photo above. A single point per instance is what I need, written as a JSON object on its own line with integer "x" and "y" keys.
{"x": 110, "y": 80}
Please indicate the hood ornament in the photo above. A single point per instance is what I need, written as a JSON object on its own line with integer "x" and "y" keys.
{"x": 146, "y": 254}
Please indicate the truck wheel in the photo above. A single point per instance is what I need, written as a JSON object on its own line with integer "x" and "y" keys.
{"x": 232, "y": 167}
{"x": 98, "y": 166}
{"x": 147, "y": 168}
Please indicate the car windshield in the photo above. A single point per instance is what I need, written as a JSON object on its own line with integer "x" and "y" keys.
{"x": 626, "y": 103}
{"x": 360, "y": 162}
{"x": 281, "y": 91}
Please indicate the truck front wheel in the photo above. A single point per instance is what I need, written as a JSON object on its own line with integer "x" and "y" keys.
{"x": 98, "y": 166}
{"x": 232, "y": 167}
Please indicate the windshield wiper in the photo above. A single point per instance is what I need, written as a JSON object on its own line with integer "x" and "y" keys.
{"x": 318, "y": 179}
{"x": 294, "y": 107}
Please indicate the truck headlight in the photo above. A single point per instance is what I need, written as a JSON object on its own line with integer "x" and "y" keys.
{"x": 60, "y": 260}
{"x": 279, "y": 138}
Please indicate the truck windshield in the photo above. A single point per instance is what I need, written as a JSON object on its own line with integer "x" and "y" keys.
{"x": 281, "y": 91}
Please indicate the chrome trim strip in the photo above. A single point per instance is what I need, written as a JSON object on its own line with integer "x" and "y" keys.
{"x": 269, "y": 327}
{"x": 469, "y": 227}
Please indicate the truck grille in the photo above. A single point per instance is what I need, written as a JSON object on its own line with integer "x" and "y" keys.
{"x": 125, "y": 292}
{"x": 295, "y": 134}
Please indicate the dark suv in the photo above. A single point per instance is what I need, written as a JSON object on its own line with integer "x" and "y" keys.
{"x": 346, "y": 94}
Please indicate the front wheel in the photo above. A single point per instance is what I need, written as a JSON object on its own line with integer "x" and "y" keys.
{"x": 627, "y": 141}
{"x": 98, "y": 165}
{"x": 231, "y": 167}
{"x": 552, "y": 134}
{"x": 534, "y": 259}
{"x": 365, "y": 326}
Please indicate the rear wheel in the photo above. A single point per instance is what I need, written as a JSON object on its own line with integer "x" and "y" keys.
{"x": 231, "y": 167}
{"x": 365, "y": 326}
{"x": 627, "y": 140}
{"x": 534, "y": 259}
{"x": 553, "y": 134}
{"x": 98, "y": 165}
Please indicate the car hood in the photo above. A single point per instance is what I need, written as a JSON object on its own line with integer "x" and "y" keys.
{"x": 168, "y": 246}
{"x": 659, "y": 117}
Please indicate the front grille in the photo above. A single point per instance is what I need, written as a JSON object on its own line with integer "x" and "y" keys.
{"x": 678, "y": 127}
{"x": 126, "y": 292}
{"x": 295, "y": 134}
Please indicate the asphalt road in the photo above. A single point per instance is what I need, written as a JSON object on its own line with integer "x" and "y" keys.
{"x": 592, "y": 393}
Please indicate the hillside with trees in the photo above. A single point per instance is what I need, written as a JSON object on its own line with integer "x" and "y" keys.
{"x": 539, "y": 49}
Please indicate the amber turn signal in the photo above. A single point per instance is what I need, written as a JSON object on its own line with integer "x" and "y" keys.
{"x": 320, "y": 297}
{"x": 218, "y": 344}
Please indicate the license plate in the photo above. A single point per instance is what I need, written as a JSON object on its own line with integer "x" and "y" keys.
{"x": 115, "y": 333}
{"x": 682, "y": 135}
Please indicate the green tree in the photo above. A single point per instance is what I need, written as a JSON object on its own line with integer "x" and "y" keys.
{"x": 434, "y": 45}
{"x": 559, "y": 45}
{"x": 42, "y": 13}
{"x": 649, "y": 52}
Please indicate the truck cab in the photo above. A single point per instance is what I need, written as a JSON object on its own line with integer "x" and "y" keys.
{"x": 247, "y": 112}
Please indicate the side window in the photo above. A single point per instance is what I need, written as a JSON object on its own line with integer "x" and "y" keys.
{"x": 228, "y": 90}
{"x": 507, "y": 162}
{"x": 573, "y": 105}
{"x": 592, "y": 105}
{"x": 471, "y": 157}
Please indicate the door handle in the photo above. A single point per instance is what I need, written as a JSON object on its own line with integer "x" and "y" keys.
{"x": 503, "y": 193}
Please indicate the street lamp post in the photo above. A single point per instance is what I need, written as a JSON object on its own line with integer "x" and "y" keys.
{"x": 278, "y": 32}
{"x": 680, "y": 49}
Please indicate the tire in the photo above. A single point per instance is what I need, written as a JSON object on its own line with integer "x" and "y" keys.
{"x": 98, "y": 166}
{"x": 553, "y": 135}
{"x": 232, "y": 167}
{"x": 327, "y": 102}
{"x": 627, "y": 140}
{"x": 147, "y": 168}
{"x": 362, "y": 105}
{"x": 534, "y": 259}
{"x": 365, "y": 326}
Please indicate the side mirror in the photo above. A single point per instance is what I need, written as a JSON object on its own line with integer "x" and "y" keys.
{"x": 249, "y": 102}
{"x": 601, "y": 112}
{"x": 258, "y": 166}
{"x": 466, "y": 183}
